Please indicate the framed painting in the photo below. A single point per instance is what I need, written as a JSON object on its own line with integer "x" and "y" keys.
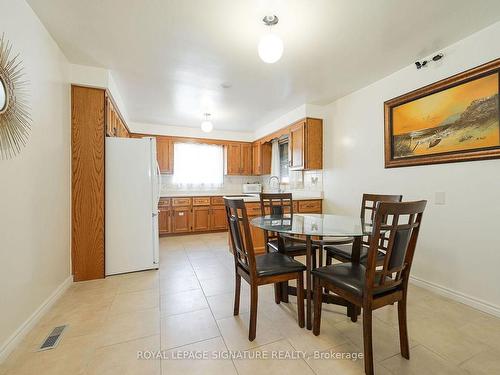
{"x": 456, "y": 119}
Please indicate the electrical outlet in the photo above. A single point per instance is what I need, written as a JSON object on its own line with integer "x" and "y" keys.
{"x": 440, "y": 198}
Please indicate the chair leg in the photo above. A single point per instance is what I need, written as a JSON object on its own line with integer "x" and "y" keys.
{"x": 354, "y": 312}
{"x": 328, "y": 262}
{"x": 403, "y": 329}
{"x": 317, "y": 306}
{"x": 253, "y": 312}
{"x": 237, "y": 289}
{"x": 300, "y": 299}
{"x": 367, "y": 339}
{"x": 284, "y": 291}
{"x": 328, "y": 259}
{"x": 277, "y": 293}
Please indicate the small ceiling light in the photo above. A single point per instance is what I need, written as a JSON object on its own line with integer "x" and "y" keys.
{"x": 207, "y": 125}
{"x": 270, "y": 45}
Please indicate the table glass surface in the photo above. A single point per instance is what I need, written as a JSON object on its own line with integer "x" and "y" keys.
{"x": 323, "y": 225}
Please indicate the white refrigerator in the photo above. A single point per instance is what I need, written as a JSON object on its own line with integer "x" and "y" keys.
{"x": 132, "y": 192}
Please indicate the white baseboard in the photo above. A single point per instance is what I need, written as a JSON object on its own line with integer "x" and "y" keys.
{"x": 457, "y": 296}
{"x": 10, "y": 344}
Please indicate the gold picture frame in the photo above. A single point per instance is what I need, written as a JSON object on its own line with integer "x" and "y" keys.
{"x": 15, "y": 119}
{"x": 455, "y": 119}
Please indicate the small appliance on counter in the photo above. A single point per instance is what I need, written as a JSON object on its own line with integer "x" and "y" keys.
{"x": 252, "y": 188}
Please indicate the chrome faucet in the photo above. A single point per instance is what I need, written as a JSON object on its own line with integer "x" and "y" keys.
{"x": 277, "y": 179}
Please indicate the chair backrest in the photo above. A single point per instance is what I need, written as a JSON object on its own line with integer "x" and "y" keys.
{"x": 276, "y": 203}
{"x": 369, "y": 205}
{"x": 241, "y": 238}
{"x": 395, "y": 230}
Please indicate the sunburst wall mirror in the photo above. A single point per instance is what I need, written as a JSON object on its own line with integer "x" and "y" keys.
{"x": 15, "y": 119}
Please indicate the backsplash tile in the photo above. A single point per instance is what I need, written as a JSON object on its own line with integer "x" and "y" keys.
{"x": 232, "y": 184}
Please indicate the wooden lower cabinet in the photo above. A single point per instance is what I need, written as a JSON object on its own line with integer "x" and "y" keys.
{"x": 182, "y": 215}
{"x": 259, "y": 246}
{"x": 181, "y": 219}
{"x": 313, "y": 206}
{"x": 164, "y": 221}
{"x": 218, "y": 220}
{"x": 201, "y": 218}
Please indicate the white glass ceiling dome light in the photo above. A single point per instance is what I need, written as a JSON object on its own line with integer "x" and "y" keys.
{"x": 270, "y": 45}
{"x": 207, "y": 125}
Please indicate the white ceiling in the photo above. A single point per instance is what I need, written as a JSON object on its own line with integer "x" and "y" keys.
{"x": 170, "y": 57}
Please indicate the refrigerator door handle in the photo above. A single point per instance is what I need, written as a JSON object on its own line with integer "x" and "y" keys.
{"x": 159, "y": 180}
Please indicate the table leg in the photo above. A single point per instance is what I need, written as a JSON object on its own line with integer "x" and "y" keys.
{"x": 308, "y": 283}
{"x": 283, "y": 285}
{"x": 354, "y": 311}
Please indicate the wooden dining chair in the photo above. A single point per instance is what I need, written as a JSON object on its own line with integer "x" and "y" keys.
{"x": 279, "y": 204}
{"x": 342, "y": 251}
{"x": 269, "y": 268}
{"x": 395, "y": 229}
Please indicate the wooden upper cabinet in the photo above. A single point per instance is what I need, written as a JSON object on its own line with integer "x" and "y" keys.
{"x": 239, "y": 159}
{"x": 165, "y": 154}
{"x": 261, "y": 158}
{"x": 296, "y": 146}
{"x": 233, "y": 159}
{"x": 246, "y": 159}
{"x": 305, "y": 144}
{"x": 115, "y": 126}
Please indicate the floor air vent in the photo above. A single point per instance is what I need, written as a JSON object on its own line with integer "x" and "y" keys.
{"x": 53, "y": 338}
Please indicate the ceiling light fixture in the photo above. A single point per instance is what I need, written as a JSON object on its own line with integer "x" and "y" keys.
{"x": 207, "y": 125}
{"x": 270, "y": 45}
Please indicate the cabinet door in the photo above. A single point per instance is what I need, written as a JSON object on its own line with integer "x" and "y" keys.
{"x": 181, "y": 220}
{"x": 296, "y": 146}
{"x": 164, "y": 154}
{"x": 164, "y": 221}
{"x": 246, "y": 159}
{"x": 218, "y": 220}
{"x": 233, "y": 159}
{"x": 258, "y": 239}
{"x": 256, "y": 159}
{"x": 312, "y": 207}
{"x": 108, "y": 117}
{"x": 201, "y": 218}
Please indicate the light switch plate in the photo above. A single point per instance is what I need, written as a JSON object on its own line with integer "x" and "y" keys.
{"x": 440, "y": 198}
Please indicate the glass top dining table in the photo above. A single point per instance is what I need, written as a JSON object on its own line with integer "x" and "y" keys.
{"x": 318, "y": 226}
{"x": 322, "y": 225}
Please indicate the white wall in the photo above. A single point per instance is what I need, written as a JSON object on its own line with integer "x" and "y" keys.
{"x": 184, "y": 131}
{"x": 459, "y": 248}
{"x": 35, "y": 185}
{"x": 98, "y": 77}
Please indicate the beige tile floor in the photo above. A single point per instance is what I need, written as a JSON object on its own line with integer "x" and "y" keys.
{"x": 186, "y": 307}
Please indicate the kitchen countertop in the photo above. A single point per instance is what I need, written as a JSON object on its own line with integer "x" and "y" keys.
{"x": 296, "y": 195}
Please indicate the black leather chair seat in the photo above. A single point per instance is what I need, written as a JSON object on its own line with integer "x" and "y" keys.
{"x": 349, "y": 277}
{"x": 276, "y": 264}
{"x": 291, "y": 247}
{"x": 344, "y": 253}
